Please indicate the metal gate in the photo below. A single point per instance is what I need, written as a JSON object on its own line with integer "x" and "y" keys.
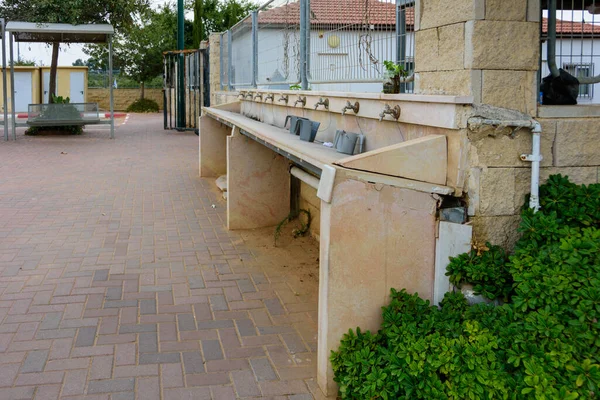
{"x": 185, "y": 88}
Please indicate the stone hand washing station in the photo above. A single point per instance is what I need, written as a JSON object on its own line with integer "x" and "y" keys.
{"x": 381, "y": 166}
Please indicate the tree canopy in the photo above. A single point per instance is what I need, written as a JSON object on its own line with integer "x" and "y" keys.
{"x": 217, "y": 16}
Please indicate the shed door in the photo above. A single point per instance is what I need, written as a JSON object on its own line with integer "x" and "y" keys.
{"x": 47, "y": 86}
{"x": 22, "y": 94}
{"x": 77, "y": 88}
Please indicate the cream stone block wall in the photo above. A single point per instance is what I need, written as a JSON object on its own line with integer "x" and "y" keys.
{"x": 506, "y": 10}
{"x": 443, "y": 48}
{"x": 515, "y": 90}
{"x": 122, "y": 97}
{"x": 499, "y": 181}
{"x": 436, "y": 13}
{"x": 503, "y": 45}
{"x": 461, "y": 82}
{"x": 215, "y": 66}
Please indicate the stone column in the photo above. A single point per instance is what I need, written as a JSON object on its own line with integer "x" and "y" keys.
{"x": 488, "y": 49}
{"x": 215, "y": 65}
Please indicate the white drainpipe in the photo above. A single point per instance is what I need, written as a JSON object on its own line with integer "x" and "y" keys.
{"x": 535, "y": 157}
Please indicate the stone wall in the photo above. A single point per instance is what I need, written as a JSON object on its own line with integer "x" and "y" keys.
{"x": 122, "y": 97}
{"x": 215, "y": 66}
{"x": 487, "y": 49}
{"x": 499, "y": 181}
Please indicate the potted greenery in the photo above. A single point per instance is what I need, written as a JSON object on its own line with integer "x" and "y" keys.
{"x": 392, "y": 75}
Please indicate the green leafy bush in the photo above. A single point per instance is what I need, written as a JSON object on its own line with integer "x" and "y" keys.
{"x": 143, "y": 106}
{"x": 543, "y": 344}
{"x": 487, "y": 271}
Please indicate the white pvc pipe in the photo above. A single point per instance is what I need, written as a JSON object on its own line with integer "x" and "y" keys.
{"x": 535, "y": 157}
{"x": 305, "y": 177}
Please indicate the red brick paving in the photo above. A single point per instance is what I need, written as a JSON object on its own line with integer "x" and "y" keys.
{"x": 118, "y": 279}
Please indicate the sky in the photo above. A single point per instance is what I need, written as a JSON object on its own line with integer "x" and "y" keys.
{"x": 41, "y": 53}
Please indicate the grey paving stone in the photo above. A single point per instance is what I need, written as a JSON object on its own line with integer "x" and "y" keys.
{"x": 101, "y": 275}
{"x": 148, "y": 307}
{"x": 246, "y": 286}
{"x": 120, "y": 303}
{"x": 196, "y": 282}
{"x": 159, "y": 358}
{"x": 111, "y": 385}
{"x": 274, "y": 306}
{"x": 225, "y": 323}
{"x": 138, "y": 328}
{"x": 262, "y": 369}
{"x": 186, "y": 322}
{"x": 35, "y": 361}
{"x": 212, "y": 350}
{"x": 86, "y": 336}
{"x": 123, "y": 396}
{"x": 159, "y": 288}
{"x": 294, "y": 343}
{"x": 114, "y": 293}
{"x": 218, "y": 303}
{"x": 193, "y": 362}
{"x": 148, "y": 342}
{"x": 245, "y": 327}
{"x": 51, "y": 320}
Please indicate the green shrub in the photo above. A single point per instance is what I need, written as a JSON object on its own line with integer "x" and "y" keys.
{"x": 543, "y": 344}
{"x": 143, "y": 106}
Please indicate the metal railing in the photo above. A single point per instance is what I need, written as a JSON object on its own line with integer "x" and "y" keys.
{"x": 319, "y": 44}
{"x": 571, "y": 41}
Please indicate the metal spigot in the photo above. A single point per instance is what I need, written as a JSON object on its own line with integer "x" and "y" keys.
{"x": 322, "y": 102}
{"x": 271, "y": 97}
{"x": 258, "y": 96}
{"x": 249, "y": 95}
{"x": 349, "y": 106}
{"x": 394, "y": 112}
{"x": 284, "y": 97}
{"x": 301, "y": 100}
{"x": 242, "y": 95}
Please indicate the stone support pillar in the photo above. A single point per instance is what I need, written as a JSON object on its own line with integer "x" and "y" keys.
{"x": 488, "y": 49}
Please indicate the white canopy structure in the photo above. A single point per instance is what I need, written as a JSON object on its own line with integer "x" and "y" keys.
{"x": 17, "y": 31}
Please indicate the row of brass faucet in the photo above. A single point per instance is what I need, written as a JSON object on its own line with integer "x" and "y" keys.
{"x": 394, "y": 112}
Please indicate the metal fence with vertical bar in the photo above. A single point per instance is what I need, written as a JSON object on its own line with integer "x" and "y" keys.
{"x": 322, "y": 44}
{"x": 278, "y": 44}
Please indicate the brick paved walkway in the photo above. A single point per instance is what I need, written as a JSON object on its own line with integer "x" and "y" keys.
{"x": 119, "y": 281}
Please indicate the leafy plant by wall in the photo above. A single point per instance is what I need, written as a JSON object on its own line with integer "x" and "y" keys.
{"x": 543, "y": 344}
{"x": 143, "y": 106}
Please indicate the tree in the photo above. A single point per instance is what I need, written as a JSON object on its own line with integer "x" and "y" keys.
{"x": 217, "y": 16}
{"x": 116, "y": 12}
{"x": 79, "y": 63}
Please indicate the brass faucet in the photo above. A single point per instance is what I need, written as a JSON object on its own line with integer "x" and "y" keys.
{"x": 249, "y": 95}
{"x": 301, "y": 100}
{"x": 284, "y": 97}
{"x": 258, "y": 96}
{"x": 242, "y": 95}
{"x": 271, "y": 97}
{"x": 394, "y": 112}
{"x": 349, "y": 106}
{"x": 322, "y": 102}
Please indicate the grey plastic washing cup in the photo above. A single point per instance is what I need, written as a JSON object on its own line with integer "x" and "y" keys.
{"x": 347, "y": 143}
{"x": 308, "y": 130}
{"x": 293, "y": 123}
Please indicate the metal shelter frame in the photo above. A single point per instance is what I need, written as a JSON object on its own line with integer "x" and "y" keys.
{"x": 52, "y": 33}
